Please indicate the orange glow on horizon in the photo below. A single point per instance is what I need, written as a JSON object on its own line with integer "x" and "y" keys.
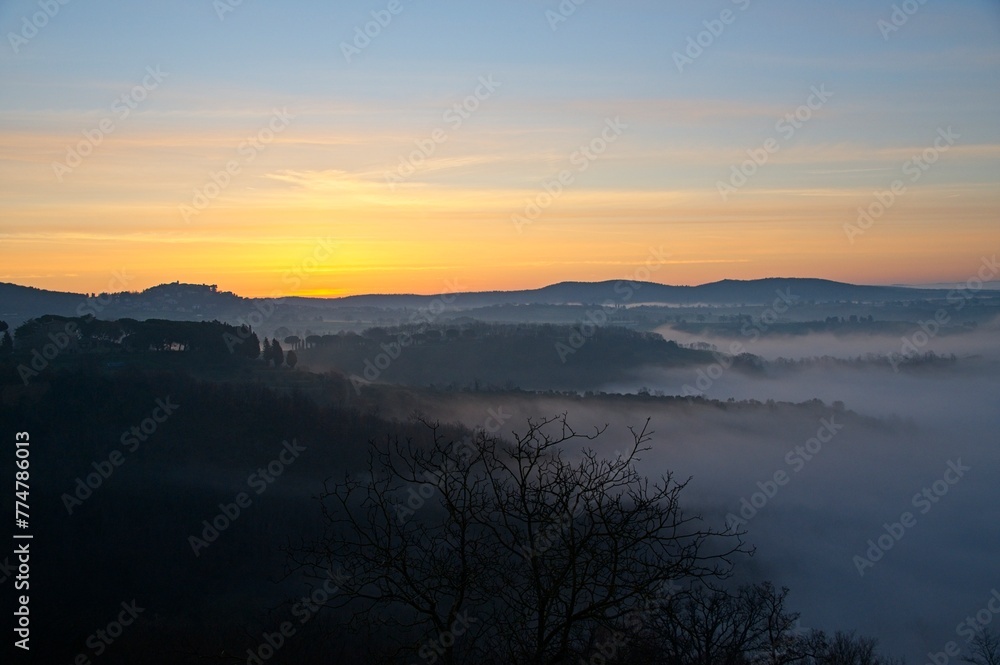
{"x": 328, "y": 232}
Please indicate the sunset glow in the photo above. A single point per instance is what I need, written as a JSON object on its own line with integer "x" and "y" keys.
{"x": 417, "y": 166}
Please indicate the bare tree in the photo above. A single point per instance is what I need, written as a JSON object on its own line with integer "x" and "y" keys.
{"x": 484, "y": 550}
{"x": 844, "y": 649}
{"x": 984, "y": 649}
{"x": 703, "y": 626}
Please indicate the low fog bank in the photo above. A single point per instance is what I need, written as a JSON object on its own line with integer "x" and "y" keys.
{"x": 845, "y": 475}
{"x": 982, "y": 340}
{"x": 969, "y": 387}
{"x": 883, "y": 388}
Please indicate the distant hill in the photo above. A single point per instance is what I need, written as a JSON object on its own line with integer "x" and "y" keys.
{"x": 19, "y": 303}
{"x": 179, "y": 301}
{"x": 726, "y": 292}
{"x": 175, "y": 301}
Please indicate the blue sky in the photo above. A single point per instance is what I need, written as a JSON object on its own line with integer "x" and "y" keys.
{"x": 355, "y": 119}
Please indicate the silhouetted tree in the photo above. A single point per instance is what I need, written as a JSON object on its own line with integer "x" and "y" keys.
{"x": 984, "y": 649}
{"x": 6, "y": 343}
{"x": 291, "y": 358}
{"x": 708, "y": 627}
{"x": 843, "y": 649}
{"x": 251, "y": 346}
{"x": 277, "y": 353}
{"x": 530, "y": 552}
{"x": 244, "y": 342}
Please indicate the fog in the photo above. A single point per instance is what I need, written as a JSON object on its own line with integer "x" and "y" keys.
{"x": 901, "y": 433}
{"x": 982, "y": 340}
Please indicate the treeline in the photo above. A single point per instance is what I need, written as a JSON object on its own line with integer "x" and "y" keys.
{"x": 915, "y": 361}
{"x": 127, "y": 466}
{"x": 431, "y": 333}
{"x": 744, "y": 325}
{"x": 90, "y": 334}
{"x": 529, "y": 356}
{"x": 136, "y": 498}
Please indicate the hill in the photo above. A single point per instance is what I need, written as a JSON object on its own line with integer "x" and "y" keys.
{"x": 198, "y": 301}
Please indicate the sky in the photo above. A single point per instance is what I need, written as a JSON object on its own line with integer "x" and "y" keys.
{"x": 275, "y": 148}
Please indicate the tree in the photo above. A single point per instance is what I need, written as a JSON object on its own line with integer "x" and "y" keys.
{"x": 277, "y": 353}
{"x": 293, "y": 341}
{"x": 251, "y": 347}
{"x": 984, "y": 649}
{"x": 843, "y": 649}
{"x": 249, "y": 343}
{"x": 535, "y": 551}
{"x": 707, "y": 626}
{"x": 6, "y": 343}
{"x": 291, "y": 358}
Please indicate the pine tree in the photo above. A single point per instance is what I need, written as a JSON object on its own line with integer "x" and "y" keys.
{"x": 277, "y": 353}
{"x": 252, "y": 346}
